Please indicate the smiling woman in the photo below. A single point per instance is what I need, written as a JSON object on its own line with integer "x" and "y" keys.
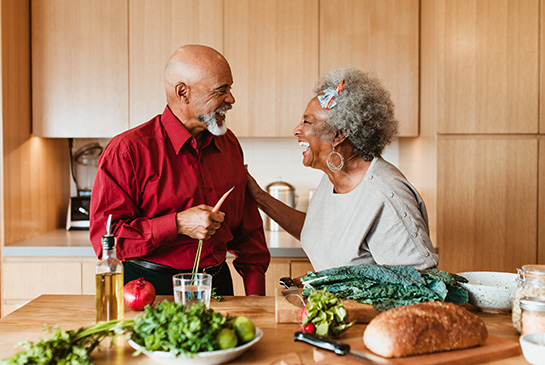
{"x": 364, "y": 210}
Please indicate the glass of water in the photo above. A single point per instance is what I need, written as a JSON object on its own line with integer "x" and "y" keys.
{"x": 192, "y": 288}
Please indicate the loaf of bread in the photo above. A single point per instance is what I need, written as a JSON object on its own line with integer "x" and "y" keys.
{"x": 422, "y": 328}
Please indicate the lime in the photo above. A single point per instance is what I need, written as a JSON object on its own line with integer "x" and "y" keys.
{"x": 227, "y": 339}
{"x": 245, "y": 328}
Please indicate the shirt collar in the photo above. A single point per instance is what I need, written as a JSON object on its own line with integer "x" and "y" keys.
{"x": 179, "y": 135}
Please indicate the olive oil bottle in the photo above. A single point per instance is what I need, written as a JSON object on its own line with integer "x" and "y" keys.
{"x": 109, "y": 280}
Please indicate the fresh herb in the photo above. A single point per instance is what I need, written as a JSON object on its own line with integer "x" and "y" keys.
{"x": 387, "y": 287}
{"x": 215, "y": 296}
{"x": 326, "y": 313}
{"x": 178, "y": 329}
{"x": 68, "y": 347}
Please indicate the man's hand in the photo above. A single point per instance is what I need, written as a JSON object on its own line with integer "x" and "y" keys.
{"x": 199, "y": 222}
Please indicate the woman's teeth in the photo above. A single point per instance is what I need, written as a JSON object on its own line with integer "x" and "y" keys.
{"x": 304, "y": 144}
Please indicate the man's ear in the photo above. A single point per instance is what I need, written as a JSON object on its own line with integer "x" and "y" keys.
{"x": 339, "y": 138}
{"x": 182, "y": 92}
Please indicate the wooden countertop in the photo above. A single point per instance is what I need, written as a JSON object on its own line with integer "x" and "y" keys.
{"x": 74, "y": 311}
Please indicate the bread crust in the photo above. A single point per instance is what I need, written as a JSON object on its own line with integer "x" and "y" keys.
{"x": 423, "y": 328}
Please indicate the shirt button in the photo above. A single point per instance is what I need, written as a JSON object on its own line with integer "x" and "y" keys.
{"x": 391, "y": 195}
{"x": 370, "y": 177}
{"x": 414, "y": 234}
{"x": 427, "y": 254}
{"x": 404, "y": 214}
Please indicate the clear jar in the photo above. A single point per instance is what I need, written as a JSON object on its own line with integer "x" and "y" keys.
{"x": 530, "y": 283}
{"x": 532, "y": 315}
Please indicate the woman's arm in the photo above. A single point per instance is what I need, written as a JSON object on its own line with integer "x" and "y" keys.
{"x": 287, "y": 217}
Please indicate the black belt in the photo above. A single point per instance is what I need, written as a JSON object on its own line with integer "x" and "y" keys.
{"x": 212, "y": 270}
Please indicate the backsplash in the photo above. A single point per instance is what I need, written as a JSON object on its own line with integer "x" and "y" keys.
{"x": 269, "y": 160}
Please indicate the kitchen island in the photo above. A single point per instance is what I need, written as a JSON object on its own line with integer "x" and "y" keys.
{"x": 74, "y": 311}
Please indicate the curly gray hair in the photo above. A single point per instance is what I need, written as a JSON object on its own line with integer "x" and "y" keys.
{"x": 364, "y": 111}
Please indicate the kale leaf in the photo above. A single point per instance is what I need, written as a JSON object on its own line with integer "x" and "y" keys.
{"x": 387, "y": 286}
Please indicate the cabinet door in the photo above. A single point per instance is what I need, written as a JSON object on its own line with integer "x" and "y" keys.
{"x": 79, "y": 67}
{"x": 487, "y": 202}
{"x": 380, "y": 37}
{"x": 25, "y": 278}
{"x": 300, "y": 268}
{"x": 157, "y": 29}
{"x": 487, "y": 66}
{"x": 541, "y": 200}
{"x": 88, "y": 284}
{"x": 272, "y": 46}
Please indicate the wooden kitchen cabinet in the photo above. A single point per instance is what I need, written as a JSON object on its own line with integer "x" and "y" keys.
{"x": 487, "y": 58}
{"x": 541, "y": 202}
{"x": 25, "y": 278}
{"x": 272, "y": 46}
{"x": 279, "y": 267}
{"x": 487, "y": 202}
{"x": 156, "y": 30}
{"x": 381, "y": 37}
{"x": 300, "y": 268}
{"x": 79, "y": 68}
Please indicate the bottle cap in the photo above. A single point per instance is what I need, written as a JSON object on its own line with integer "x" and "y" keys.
{"x": 108, "y": 240}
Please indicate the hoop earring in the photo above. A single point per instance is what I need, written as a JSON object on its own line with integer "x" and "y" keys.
{"x": 332, "y": 167}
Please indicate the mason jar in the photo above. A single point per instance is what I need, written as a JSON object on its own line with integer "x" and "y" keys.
{"x": 532, "y": 315}
{"x": 530, "y": 283}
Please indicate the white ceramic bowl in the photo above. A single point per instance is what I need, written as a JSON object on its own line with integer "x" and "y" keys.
{"x": 202, "y": 358}
{"x": 490, "y": 291}
{"x": 533, "y": 347}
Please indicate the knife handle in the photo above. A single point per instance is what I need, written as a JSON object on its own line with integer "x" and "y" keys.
{"x": 287, "y": 282}
{"x": 323, "y": 342}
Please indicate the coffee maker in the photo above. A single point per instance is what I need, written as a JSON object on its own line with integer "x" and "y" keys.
{"x": 83, "y": 166}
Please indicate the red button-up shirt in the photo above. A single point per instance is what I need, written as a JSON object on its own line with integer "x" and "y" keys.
{"x": 147, "y": 174}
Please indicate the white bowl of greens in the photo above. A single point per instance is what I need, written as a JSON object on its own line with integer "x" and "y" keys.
{"x": 171, "y": 333}
{"x": 201, "y": 358}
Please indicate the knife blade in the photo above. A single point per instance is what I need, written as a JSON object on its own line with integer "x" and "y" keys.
{"x": 338, "y": 347}
{"x": 292, "y": 293}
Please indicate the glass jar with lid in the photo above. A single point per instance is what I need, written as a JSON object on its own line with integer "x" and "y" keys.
{"x": 532, "y": 315}
{"x": 530, "y": 283}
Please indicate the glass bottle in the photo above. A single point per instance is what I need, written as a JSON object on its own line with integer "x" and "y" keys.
{"x": 530, "y": 283}
{"x": 109, "y": 280}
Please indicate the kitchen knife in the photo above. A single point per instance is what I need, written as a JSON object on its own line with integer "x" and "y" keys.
{"x": 338, "y": 347}
{"x": 292, "y": 293}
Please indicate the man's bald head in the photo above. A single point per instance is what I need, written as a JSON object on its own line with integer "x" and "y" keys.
{"x": 191, "y": 64}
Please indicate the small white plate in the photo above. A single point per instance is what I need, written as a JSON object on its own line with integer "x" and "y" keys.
{"x": 202, "y": 358}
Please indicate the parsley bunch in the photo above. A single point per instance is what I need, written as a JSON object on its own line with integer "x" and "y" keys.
{"x": 178, "y": 329}
{"x": 68, "y": 347}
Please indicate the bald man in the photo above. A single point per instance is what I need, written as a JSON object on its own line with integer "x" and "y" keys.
{"x": 160, "y": 181}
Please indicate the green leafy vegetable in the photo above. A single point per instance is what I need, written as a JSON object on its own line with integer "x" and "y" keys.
{"x": 178, "y": 329}
{"x": 387, "y": 287}
{"x": 68, "y": 347}
{"x": 215, "y": 296}
{"x": 327, "y": 314}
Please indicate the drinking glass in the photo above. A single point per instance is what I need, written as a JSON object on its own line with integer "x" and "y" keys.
{"x": 192, "y": 288}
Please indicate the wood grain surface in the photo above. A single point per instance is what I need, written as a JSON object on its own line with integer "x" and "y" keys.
{"x": 495, "y": 348}
{"x": 74, "y": 311}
